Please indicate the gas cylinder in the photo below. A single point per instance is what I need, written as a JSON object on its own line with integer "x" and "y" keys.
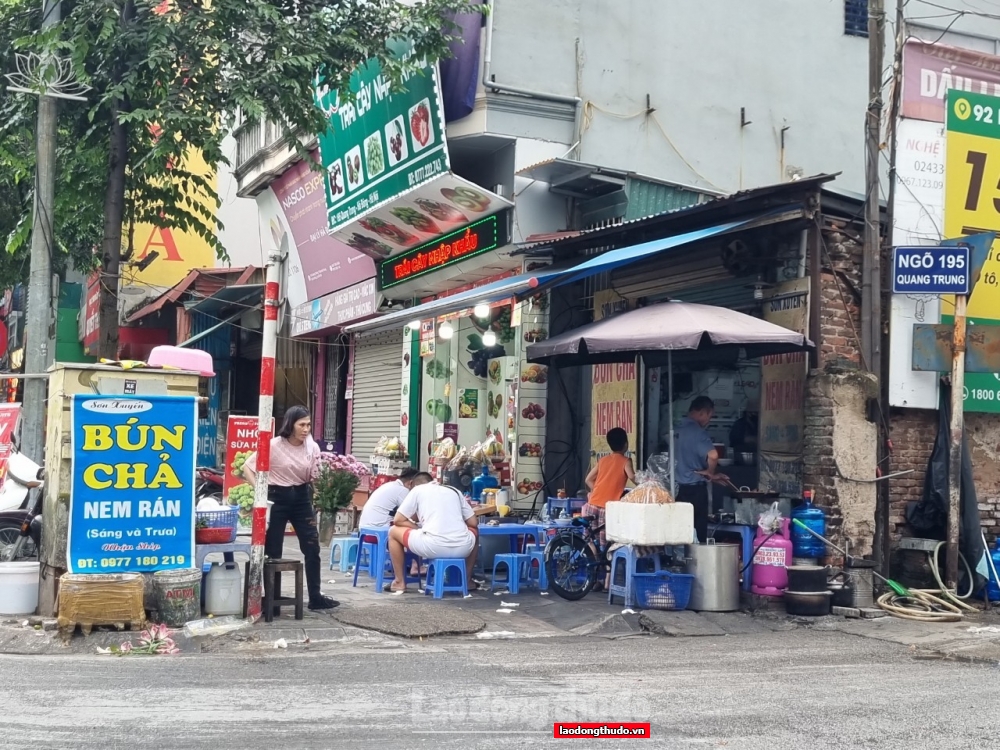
{"x": 773, "y": 555}
{"x": 805, "y": 544}
{"x": 482, "y": 482}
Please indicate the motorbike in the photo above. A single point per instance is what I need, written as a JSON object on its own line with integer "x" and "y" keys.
{"x": 21, "y": 509}
{"x": 210, "y": 483}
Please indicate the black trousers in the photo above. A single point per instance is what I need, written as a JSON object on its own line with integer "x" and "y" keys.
{"x": 697, "y": 495}
{"x": 294, "y": 505}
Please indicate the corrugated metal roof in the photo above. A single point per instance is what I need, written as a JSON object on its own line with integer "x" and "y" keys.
{"x": 778, "y": 191}
{"x": 204, "y": 281}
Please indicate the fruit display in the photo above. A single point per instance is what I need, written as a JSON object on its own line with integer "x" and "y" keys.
{"x": 467, "y": 198}
{"x": 528, "y": 486}
{"x": 420, "y": 123}
{"x": 446, "y": 449}
{"x": 395, "y": 136}
{"x": 534, "y": 335}
{"x": 533, "y": 411}
{"x": 441, "y": 211}
{"x": 390, "y": 447}
{"x": 535, "y": 374}
{"x": 415, "y": 219}
{"x": 374, "y": 155}
{"x": 389, "y": 231}
{"x": 440, "y": 410}
{"x": 239, "y": 459}
{"x": 242, "y": 495}
{"x": 437, "y": 369}
{"x": 530, "y": 450}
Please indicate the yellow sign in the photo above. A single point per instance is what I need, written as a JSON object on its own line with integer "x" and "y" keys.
{"x": 614, "y": 389}
{"x": 177, "y": 251}
{"x": 972, "y": 206}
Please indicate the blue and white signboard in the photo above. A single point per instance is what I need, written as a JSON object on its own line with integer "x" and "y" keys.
{"x": 930, "y": 270}
{"x": 132, "y": 495}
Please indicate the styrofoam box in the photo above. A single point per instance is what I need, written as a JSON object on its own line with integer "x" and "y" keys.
{"x": 653, "y": 524}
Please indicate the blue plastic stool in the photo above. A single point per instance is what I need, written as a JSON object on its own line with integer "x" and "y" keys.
{"x": 408, "y": 559}
{"x": 517, "y": 565}
{"x": 627, "y": 555}
{"x": 437, "y": 577}
{"x": 746, "y": 534}
{"x": 375, "y": 542}
{"x": 542, "y": 579}
{"x": 348, "y": 548}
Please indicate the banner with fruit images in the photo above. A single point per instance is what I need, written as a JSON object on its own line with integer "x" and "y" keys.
{"x": 532, "y": 405}
{"x": 241, "y": 442}
{"x": 380, "y": 143}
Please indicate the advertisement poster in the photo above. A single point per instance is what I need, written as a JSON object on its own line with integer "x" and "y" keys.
{"x": 336, "y": 309}
{"x": 382, "y": 143}
{"x": 614, "y": 390}
{"x": 468, "y": 404}
{"x": 972, "y": 171}
{"x": 326, "y": 264}
{"x": 133, "y": 483}
{"x": 782, "y": 393}
{"x": 241, "y": 442}
{"x": 428, "y": 338}
{"x": 931, "y": 70}
{"x": 9, "y": 415}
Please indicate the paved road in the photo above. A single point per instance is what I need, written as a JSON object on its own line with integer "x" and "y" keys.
{"x": 796, "y": 690}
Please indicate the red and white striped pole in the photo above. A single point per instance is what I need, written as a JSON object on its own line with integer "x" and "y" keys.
{"x": 264, "y": 435}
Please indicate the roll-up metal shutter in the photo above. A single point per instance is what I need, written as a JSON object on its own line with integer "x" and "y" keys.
{"x": 378, "y": 372}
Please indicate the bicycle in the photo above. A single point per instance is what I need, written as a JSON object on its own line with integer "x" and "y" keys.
{"x": 575, "y": 561}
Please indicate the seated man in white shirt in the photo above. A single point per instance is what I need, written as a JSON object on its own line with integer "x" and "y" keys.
{"x": 434, "y": 521}
{"x": 381, "y": 506}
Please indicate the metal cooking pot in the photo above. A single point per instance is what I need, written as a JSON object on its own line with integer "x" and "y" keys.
{"x": 808, "y": 603}
{"x": 807, "y": 578}
{"x": 716, "y": 571}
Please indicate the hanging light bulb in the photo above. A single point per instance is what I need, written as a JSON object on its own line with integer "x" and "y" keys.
{"x": 482, "y": 310}
{"x": 414, "y": 325}
{"x": 446, "y": 331}
{"x": 489, "y": 339}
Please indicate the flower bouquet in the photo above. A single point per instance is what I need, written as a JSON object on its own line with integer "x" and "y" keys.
{"x": 333, "y": 488}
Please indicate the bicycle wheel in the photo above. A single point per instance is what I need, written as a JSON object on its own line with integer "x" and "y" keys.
{"x": 571, "y": 566}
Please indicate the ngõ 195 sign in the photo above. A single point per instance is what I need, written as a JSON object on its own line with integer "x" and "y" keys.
{"x": 930, "y": 270}
{"x": 468, "y": 242}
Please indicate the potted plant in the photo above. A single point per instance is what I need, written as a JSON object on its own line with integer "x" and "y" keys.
{"x": 334, "y": 486}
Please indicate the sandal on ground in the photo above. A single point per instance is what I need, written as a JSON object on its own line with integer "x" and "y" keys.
{"x": 390, "y": 590}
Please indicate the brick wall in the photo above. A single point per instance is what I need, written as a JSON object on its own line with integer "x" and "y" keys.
{"x": 840, "y": 312}
{"x": 913, "y": 434}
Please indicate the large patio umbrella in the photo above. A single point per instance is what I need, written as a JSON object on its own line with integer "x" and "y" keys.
{"x": 657, "y": 331}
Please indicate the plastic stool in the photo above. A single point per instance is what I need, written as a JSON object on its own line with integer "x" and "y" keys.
{"x": 542, "y": 579}
{"x": 517, "y": 565}
{"x": 272, "y": 587}
{"x": 746, "y": 534}
{"x": 348, "y": 547}
{"x": 408, "y": 559}
{"x": 628, "y": 555}
{"x": 437, "y": 577}
{"x": 375, "y": 542}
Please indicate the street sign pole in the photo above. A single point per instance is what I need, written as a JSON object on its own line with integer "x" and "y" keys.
{"x": 955, "y": 448}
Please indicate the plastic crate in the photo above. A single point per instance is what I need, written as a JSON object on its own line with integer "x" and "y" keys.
{"x": 662, "y": 590}
{"x": 216, "y": 526}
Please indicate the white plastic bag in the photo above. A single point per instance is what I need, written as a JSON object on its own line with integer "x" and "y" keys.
{"x": 770, "y": 520}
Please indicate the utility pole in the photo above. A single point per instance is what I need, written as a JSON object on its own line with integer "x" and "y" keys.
{"x": 265, "y": 426}
{"x": 38, "y": 318}
{"x": 871, "y": 288}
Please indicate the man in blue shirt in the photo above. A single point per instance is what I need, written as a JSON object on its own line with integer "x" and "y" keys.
{"x": 697, "y": 461}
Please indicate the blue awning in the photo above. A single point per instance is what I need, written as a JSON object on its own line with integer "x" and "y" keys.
{"x": 528, "y": 284}
{"x": 512, "y": 286}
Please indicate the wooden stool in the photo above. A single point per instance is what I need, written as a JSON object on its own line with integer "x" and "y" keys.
{"x": 272, "y": 587}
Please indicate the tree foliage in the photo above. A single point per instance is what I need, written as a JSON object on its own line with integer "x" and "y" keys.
{"x": 169, "y": 76}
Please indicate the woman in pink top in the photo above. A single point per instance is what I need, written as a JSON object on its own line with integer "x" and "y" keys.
{"x": 294, "y": 463}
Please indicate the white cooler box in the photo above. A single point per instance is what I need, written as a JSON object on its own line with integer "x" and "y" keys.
{"x": 649, "y": 523}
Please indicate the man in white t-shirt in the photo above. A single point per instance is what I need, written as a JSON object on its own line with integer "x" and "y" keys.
{"x": 381, "y": 506}
{"x": 433, "y": 521}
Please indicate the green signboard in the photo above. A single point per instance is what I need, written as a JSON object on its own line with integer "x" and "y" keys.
{"x": 380, "y": 144}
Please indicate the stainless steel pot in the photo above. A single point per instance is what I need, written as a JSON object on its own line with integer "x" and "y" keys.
{"x": 716, "y": 571}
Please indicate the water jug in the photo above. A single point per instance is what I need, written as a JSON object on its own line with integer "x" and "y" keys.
{"x": 223, "y": 595}
{"x": 773, "y": 555}
{"x": 483, "y": 481}
{"x": 992, "y": 587}
{"x": 805, "y": 544}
